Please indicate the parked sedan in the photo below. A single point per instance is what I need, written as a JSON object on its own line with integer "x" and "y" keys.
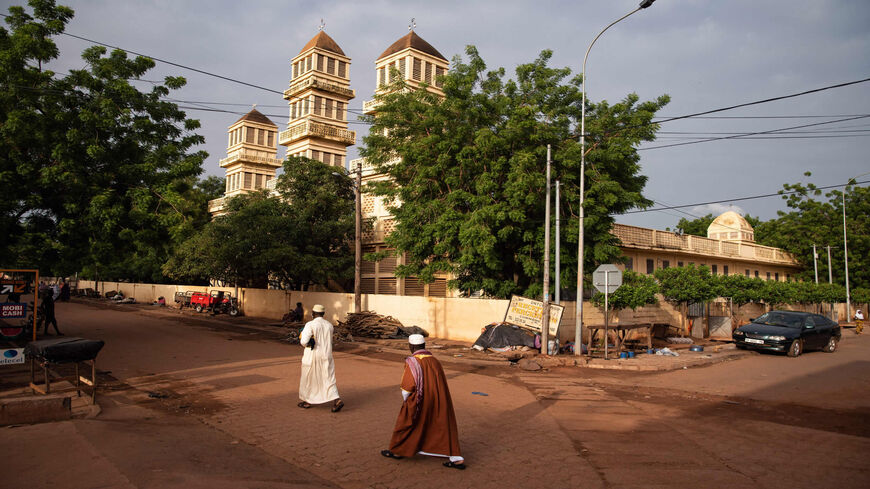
{"x": 790, "y": 332}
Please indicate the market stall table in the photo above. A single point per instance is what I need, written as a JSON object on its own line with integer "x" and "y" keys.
{"x": 48, "y": 353}
{"x": 621, "y": 331}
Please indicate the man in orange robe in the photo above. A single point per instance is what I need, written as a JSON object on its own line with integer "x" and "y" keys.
{"x": 426, "y": 422}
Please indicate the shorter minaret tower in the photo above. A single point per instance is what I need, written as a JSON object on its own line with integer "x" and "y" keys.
{"x": 318, "y": 97}
{"x": 251, "y": 159}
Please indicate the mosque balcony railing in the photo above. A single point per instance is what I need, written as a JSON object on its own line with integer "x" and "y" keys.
{"x": 217, "y": 205}
{"x": 667, "y": 241}
{"x": 371, "y": 106}
{"x": 316, "y": 130}
{"x": 320, "y": 84}
{"x": 250, "y": 157}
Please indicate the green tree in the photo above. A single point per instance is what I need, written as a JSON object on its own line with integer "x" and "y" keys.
{"x": 739, "y": 288}
{"x": 684, "y": 285}
{"x": 817, "y": 218}
{"x": 96, "y": 175}
{"x": 637, "y": 290}
{"x": 299, "y": 238}
{"x": 467, "y": 172}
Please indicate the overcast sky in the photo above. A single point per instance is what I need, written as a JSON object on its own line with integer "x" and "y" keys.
{"x": 705, "y": 54}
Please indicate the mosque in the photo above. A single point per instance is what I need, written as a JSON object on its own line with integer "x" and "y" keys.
{"x": 318, "y": 98}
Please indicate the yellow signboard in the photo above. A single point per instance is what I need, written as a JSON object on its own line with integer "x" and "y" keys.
{"x": 528, "y": 313}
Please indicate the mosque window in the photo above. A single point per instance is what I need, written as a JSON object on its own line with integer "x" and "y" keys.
{"x": 439, "y": 71}
{"x": 747, "y": 272}
{"x": 295, "y": 71}
{"x": 428, "y": 74}
{"x": 318, "y": 103}
{"x": 666, "y": 264}
{"x": 248, "y": 179}
{"x": 680, "y": 264}
{"x": 271, "y": 138}
{"x": 261, "y": 135}
{"x": 756, "y": 274}
{"x": 401, "y": 65}
{"x": 342, "y": 69}
{"x": 339, "y": 111}
{"x": 650, "y": 266}
{"x": 327, "y": 105}
{"x": 339, "y": 160}
{"x": 308, "y": 63}
{"x": 415, "y": 74}
{"x": 725, "y": 270}
{"x": 768, "y": 275}
{"x": 382, "y": 75}
{"x": 249, "y": 135}
{"x": 315, "y": 155}
{"x": 330, "y": 66}
{"x": 305, "y": 108}
{"x": 715, "y": 269}
{"x": 319, "y": 63}
{"x": 776, "y": 276}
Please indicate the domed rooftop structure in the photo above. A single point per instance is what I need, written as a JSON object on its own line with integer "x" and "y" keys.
{"x": 730, "y": 226}
{"x": 413, "y": 41}
{"x": 323, "y": 41}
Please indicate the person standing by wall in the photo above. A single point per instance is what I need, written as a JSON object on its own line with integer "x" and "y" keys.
{"x": 46, "y": 307}
{"x": 317, "y": 383}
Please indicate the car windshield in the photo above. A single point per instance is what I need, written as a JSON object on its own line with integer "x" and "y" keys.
{"x": 780, "y": 319}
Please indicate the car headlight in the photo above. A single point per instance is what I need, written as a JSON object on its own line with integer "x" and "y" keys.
{"x": 737, "y": 332}
{"x": 776, "y": 338}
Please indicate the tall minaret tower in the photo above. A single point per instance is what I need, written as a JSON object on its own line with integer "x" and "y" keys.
{"x": 416, "y": 62}
{"x": 251, "y": 159}
{"x": 318, "y": 96}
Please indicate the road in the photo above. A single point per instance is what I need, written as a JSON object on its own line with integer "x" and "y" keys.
{"x": 203, "y": 404}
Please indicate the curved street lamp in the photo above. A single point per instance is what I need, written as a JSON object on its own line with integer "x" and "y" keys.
{"x": 578, "y": 340}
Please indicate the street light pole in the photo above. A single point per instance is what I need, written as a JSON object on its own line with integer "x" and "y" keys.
{"x": 846, "y": 250}
{"x": 578, "y": 330}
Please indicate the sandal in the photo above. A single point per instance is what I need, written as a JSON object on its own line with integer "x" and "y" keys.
{"x": 304, "y": 405}
{"x": 337, "y": 406}
{"x": 389, "y": 454}
{"x": 454, "y": 465}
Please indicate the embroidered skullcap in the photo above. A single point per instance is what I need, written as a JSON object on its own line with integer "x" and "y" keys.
{"x": 417, "y": 339}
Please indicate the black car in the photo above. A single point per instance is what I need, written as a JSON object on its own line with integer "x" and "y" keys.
{"x": 790, "y": 332}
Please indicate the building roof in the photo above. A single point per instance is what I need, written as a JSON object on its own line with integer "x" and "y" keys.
{"x": 255, "y": 116}
{"x": 411, "y": 40}
{"x": 323, "y": 41}
{"x": 733, "y": 221}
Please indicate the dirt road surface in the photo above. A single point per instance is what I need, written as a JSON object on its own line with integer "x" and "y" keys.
{"x": 198, "y": 403}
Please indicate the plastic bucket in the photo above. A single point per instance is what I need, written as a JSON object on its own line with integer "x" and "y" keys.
{"x": 631, "y": 354}
{"x": 696, "y": 348}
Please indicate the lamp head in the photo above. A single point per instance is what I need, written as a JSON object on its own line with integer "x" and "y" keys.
{"x": 646, "y": 3}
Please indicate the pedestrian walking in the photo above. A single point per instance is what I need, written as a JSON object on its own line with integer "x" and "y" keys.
{"x": 46, "y": 306}
{"x": 317, "y": 383}
{"x": 426, "y": 424}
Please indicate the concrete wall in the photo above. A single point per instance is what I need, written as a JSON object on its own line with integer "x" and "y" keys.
{"x": 449, "y": 318}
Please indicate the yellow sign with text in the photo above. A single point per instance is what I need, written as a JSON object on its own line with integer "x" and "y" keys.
{"x": 528, "y": 313}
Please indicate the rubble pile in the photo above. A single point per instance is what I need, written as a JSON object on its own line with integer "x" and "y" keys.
{"x": 369, "y": 324}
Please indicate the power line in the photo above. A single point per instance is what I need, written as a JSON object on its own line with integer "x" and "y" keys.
{"x": 780, "y": 193}
{"x": 752, "y": 133}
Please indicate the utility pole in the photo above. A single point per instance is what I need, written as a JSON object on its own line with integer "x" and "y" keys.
{"x": 830, "y": 275}
{"x": 357, "y": 252}
{"x": 815, "y": 265}
{"x": 545, "y": 314}
{"x": 558, "y": 252}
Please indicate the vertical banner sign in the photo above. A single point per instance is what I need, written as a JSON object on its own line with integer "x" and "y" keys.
{"x": 528, "y": 313}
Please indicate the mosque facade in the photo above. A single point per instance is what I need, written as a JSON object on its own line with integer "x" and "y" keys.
{"x": 317, "y": 128}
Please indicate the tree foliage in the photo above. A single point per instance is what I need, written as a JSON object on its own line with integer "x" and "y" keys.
{"x": 95, "y": 174}
{"x": 683, "y": 285}
{"x": 637, "y": 290}
{"x": 467, "y": 172}
{"x": 296, "y": 239}
{"x": 817, "y": 218}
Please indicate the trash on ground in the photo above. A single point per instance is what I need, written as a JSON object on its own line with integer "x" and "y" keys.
{"x": 667, "y": 352}
{"x": 679, "y": 340}
{"x": 480, "y": 393}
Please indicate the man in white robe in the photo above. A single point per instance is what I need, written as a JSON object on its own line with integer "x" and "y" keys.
{"x": 317, "y": 383}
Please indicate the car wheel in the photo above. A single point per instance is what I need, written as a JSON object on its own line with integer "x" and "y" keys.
{"x": 795, "y": 348}
{"x": 198, "y": 308}
{"x": 831, "y": 346}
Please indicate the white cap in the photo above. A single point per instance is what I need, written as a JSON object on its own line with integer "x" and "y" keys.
{"x": 417, "y": 339}
{"x": 318, "y": 308}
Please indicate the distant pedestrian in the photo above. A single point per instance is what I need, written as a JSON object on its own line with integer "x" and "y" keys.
{"x": 55, "y": 291}
{"x": 426, "y": 424}
{"x": 297, "y": 314}
{"x": 317, "y": 381}
{"x": 64, "y": 291}
{"x": 46, "y": 307}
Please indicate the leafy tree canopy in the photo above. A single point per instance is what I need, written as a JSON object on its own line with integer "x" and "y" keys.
{"x": 686, "y": 284}
{"x": 298, "y": 238}
{"x": 467, "y": 172}
{"x": 95, "y": 175}
{"x": 817, "y": 218}
{"x": 637, "y": 290}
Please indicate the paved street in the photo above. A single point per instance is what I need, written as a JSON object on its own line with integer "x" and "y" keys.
{"x": 193, "y": 404}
